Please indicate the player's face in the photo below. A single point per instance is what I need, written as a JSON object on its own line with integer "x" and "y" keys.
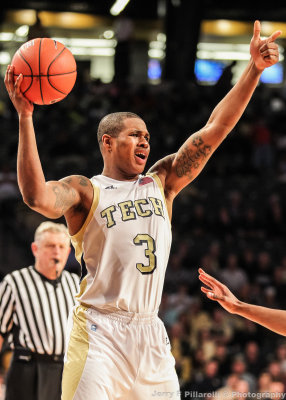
{"x": 51, "y": 252}
{"x": 131, "y": 147}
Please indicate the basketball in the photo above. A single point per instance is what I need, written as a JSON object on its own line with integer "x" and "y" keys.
{"x": 48, "y": 68}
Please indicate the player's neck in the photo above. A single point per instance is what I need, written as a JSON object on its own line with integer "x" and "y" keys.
{"x": 118, "y": 174}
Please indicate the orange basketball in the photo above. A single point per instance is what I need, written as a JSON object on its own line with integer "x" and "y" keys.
{"x": 48, "y": 68}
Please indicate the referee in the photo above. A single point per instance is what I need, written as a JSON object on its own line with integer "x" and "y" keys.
{"x": 34, "y": 307}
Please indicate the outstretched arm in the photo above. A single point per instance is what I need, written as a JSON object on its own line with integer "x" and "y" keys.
{"x": 273, "y": 319}
{"x": 180, "y": 169}
{"x": 52, "y": 199}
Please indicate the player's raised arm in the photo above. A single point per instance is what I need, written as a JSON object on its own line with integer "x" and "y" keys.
{"x": 180, "y": 169}
{"x": 52, "y": 199}
{"x": 275, "y": 320}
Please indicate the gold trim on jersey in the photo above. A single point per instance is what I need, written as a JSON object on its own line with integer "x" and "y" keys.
{"x": 82, "y": 287}
{"x": 77, "y": 239}
{"x": 159, "y": 183}
{"x": 78, "y": 347}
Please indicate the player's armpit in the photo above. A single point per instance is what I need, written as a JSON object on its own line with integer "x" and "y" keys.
{"x": 162, "y": 167}
{"x": 181, "y": 168}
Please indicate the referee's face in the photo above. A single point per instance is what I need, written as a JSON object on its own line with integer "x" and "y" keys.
{"x": 51, "y": 252}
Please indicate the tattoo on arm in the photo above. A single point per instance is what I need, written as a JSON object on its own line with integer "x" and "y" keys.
{"x": 83, "y": 181}
{"x": 65, "y": 196}
{"x": 190, "y": 159}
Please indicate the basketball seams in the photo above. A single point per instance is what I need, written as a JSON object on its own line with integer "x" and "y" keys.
{"x": 40, "y": 80}
{"x": 54, "y": 59}
{"x": 58, "y": 90}
{"x": 31, "y": 76}
{"x": 45, "y": 76}
{"x": 59, "y": 72}
{"x": 48, "y": 75}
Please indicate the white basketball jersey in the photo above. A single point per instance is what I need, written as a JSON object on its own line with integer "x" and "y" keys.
{"x": 124, "y": 245}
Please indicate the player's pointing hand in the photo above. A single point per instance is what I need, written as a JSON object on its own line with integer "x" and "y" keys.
{"x": 264, "y": 52}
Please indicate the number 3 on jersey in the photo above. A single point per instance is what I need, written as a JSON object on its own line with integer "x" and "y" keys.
{"x": 140, "y": 240}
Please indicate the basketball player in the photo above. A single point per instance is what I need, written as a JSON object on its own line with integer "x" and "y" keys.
{"x": 120, "y": 226}
{"x": 270, "y": 318}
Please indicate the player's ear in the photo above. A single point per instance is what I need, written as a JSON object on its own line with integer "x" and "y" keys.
{"x": 106, "y": 141}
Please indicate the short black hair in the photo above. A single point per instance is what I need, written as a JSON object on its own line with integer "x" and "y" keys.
{"x": 112, "y": 124}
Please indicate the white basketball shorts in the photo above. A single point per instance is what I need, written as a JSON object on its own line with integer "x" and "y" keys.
{"x": 118, "y": 356}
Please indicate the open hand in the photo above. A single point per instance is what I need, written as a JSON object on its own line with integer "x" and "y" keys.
{"x": 217, "y": 291}
{"x": 264, "y": 52}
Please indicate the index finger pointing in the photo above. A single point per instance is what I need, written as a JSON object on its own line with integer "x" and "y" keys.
{"x": 274, "y": 36}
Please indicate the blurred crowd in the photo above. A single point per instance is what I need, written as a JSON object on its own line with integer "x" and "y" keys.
{"x": 231, "y": 220}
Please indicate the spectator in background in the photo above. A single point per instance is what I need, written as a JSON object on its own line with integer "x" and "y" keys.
{"x": 275, "y": 370}
{"x": 275, "y": 217}
{"x": 240, "y": 368}
{"x": 181, "y": 351}
{"x": 222, "y": 355}
{"x": 199, "y": 319}
{"x": 232, "y": 275}
{"x": 215, "y": 256}
{"x": 199, "y": 222}
{"x": 264, "y": 383}
{"x": 227, "y": 392}
{"x": 224, "y": 225}
{"x": 251, "y": 228}
{"x": 9, "y": 189}
{"x": 253, "y": 358}
{"x": 207, "y": 343}
{"x": 181, "y": 301}
{"x": 281, "y": 357}
{"x": 210, "y": 381}
{"x": 177, "y": 272}
{"x": 248, "y": 261}
{"x": 263, "y": 157}
{"x": 235, "y": 208}
{"x": 166, "y": 313}
{"x": 277, "y": 390}
{"x": 279, "y": 282}
{"x": 9, "y": 195}
{"x": 242, "y": 389}
{"x": 270, "y": 297}
{"x": 264, "y": 271}
{"x": 221, "y": 327}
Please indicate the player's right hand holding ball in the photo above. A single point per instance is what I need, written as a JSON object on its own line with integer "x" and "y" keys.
{"x": 22, "y": 105}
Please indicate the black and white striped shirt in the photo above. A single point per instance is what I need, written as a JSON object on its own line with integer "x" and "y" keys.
{"x": 35, "y": 309}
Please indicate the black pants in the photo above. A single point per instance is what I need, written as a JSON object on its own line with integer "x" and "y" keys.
{"x": 34, "y": 380}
